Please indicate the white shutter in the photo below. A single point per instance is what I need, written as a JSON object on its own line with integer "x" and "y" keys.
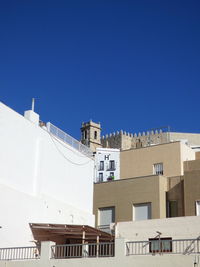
{"x": 107, "y": 216}
{"x": 142, "y": 211}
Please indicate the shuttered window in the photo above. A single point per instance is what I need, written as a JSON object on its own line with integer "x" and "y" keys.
{"x": 106, "y": 216}
{"x": 142, "y": 211}
{"x": 158, "y": 168}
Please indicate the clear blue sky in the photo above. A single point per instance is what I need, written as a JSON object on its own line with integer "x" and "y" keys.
{"x": 132, "y": 65}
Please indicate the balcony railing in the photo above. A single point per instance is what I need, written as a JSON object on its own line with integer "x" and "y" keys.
{"x": 82, "y": 250}
{"x": 180, "y": 246}
{"x": 66, "y": 138}
{"x": 19, "y": 253}
{"x": 111, "y": 168}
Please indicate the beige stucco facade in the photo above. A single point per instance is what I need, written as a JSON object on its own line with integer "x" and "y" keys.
{"x": 178, "y": 186}
{"x": 123, "y": 194}
{"x": 191, "y": 186}
{"x": 175, "y": 192}
{"x": 140, "y": 162}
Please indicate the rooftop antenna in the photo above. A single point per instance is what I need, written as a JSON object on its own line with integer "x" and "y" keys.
{"x": 33, "y": 104}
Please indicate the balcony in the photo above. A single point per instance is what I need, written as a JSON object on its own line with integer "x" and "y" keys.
{"x": 179, "y": 246}
{"x": 111, "y": 168}
{"x": 89, "y": 250}
{"x": 20, "y": 253}
{"x": 111, "y": 178}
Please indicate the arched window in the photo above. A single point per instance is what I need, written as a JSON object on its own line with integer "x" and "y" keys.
{"x": 95, "y": 134}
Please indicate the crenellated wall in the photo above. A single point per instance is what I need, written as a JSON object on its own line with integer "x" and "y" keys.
{"x": 125, "y": 140}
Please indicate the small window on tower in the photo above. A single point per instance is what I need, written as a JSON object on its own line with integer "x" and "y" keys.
{"x": 85, "y": 134}
{"x": 95, "y": 134}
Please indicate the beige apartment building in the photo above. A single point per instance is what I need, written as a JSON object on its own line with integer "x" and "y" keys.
{"x": 155, "y": 182}
{"x": 159, "y": 175}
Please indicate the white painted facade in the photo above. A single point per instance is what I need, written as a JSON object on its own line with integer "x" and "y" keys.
{"x": 176, "y": 228}
{"x": 42, "y": 179}
{"x": 107, "y": 164}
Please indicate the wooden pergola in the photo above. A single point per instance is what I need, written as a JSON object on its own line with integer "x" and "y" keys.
{"x": 68, "y": 234}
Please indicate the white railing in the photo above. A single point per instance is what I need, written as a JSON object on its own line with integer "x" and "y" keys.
{"x": 19, "y": 253}
{"x": 66, "y": 138}
{"x": 89, "y": 250}
{"x": 180, "y": 246}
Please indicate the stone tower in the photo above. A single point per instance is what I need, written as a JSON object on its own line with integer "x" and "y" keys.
{"x": 91, "y": 135}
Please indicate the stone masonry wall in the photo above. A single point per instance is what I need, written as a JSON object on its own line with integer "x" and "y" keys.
{"x": 124, "y": 140}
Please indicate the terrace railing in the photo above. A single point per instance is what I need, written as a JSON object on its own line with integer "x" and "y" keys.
{"x": 82, "y": 250}
{"x": 19, "y": 253}
{"x": 66, "y": 138}
{"x": 179, "y": 246}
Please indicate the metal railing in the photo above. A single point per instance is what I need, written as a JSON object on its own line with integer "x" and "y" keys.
{"x": 179, "y": 246}
{"x": 66, "y": 138}
{"x": 19, "y": 253}
{"x": 82, "y": 250}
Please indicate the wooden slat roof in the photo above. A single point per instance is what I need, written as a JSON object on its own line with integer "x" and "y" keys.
{"x": 55, "y": 232}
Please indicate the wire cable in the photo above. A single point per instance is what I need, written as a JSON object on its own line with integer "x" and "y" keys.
{"x": 78, "y": 164}
{"x": 68, "y": 146}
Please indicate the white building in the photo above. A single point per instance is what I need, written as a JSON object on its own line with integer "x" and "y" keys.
{"x": 107, "y": 164}
{"x": 43, "y": 179}
{"x": 160, "y": 242}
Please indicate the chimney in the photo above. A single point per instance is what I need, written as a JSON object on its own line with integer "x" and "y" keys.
{"x": 31, "y": 115}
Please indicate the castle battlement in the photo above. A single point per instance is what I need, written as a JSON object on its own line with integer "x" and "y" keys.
{"x": 125, "y": 140}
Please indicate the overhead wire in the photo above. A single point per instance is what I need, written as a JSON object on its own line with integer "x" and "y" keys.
{"x": 69, "y": 160}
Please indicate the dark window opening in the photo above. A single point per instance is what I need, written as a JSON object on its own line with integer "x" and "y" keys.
{"x": 100, "y": 177}
{"x": 112, "y": 165}
{"x": 172, "y": 208}
{"x": 159, "y": 245}
{"x": 101, "y": 166}
{"x": 95, "y": 134}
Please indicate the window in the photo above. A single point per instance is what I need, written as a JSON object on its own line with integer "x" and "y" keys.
{"x": 141, "y": 211}
{"x": 112, "y": 165}
{"x": 95, "y": 134}
{"x": 85, "y": 134}
{"x": 111, "y": 174}
{"x": 198, "y": 207}
{"x": 158, "y": 245}
{"x": 158, "y": 168}
{"x": 106, "y": 216}
{"x": 100, "y": 177}
{"x": 172, "y": 208}
{"x": 101, "y": 166}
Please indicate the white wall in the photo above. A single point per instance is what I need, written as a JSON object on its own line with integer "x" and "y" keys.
{"x": 36, "y": 164}
{"x": 19, "y": 209}
{"x": 113, "y": 154}
{"x": 177, "y": 228}
{"x": 119, "y": 260}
